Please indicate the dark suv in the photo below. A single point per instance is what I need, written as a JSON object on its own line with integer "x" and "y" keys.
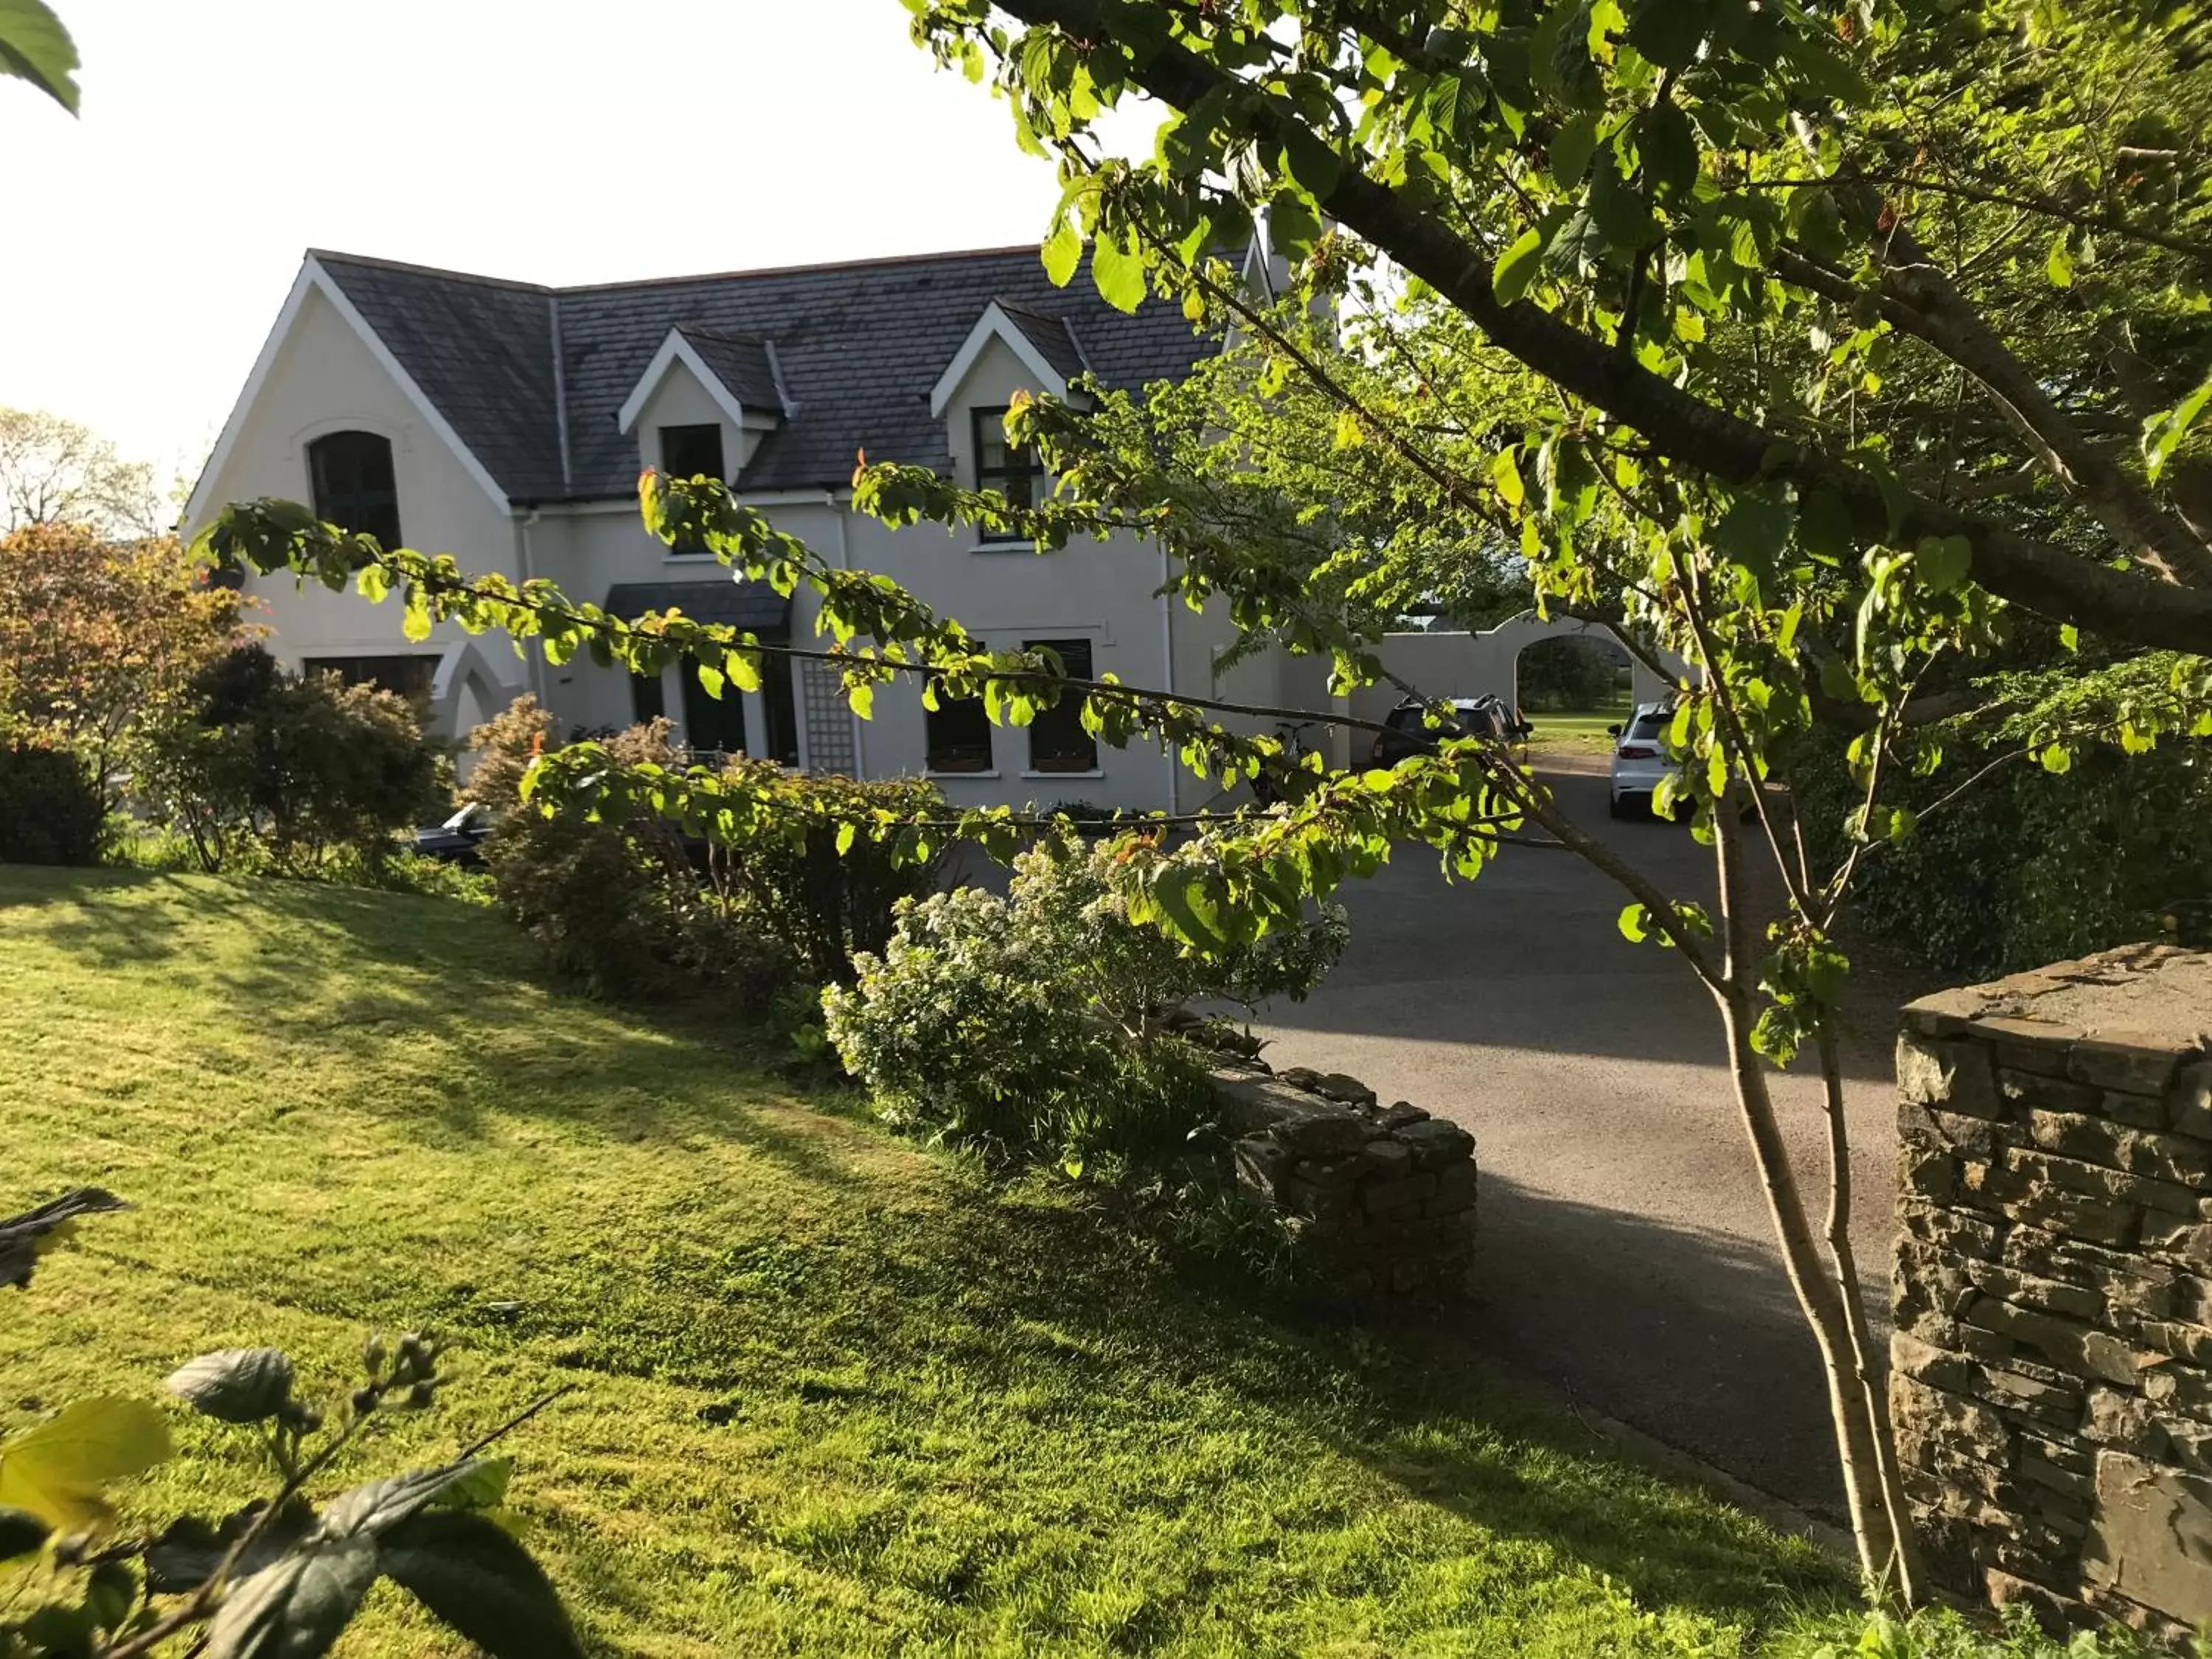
{"x": 1410, "y": 733}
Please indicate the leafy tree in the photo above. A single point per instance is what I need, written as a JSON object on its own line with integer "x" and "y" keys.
{"x": 1826, "y": 347}
{"x": 293, "y": 766}
{"x": 55, "y": 472}
{"x": 99, "y": 639}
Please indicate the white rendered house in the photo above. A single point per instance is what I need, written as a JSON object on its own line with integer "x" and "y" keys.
{"x": 505, "y": 424}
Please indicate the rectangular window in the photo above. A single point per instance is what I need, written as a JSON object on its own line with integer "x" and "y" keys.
{"x": 959, "y": 734}
{"x": 410, "y": 676}
{"x": 712, "y": 725}
{"x": 351, "y": 476}
{"x": 1058, "y": 741}
{"x": 1016, "y": 474}
{"x": 692, "y": 452}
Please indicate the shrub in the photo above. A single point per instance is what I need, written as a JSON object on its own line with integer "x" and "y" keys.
{"x": 2029, "y": 867}
{"x": 292, "y": 768}
{"x": 52, "y": 810}
{"x": 616, "y": 899}
{"x": 823, "y": 907}
{"x": 1018, "y": 1025}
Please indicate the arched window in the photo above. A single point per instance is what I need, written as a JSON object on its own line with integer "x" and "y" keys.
{"x": 353, "y": 488}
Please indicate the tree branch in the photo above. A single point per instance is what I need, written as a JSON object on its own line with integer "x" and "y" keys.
{"x": 1678, "y": 426}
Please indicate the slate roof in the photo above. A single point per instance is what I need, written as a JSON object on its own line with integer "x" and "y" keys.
{"x": 1050, "y": 335}
{"x": 854, "y": 348}
{"x": 754, "y": 605}
{"x": 741, "y": 363}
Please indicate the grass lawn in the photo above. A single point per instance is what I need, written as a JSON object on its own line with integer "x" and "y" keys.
{"x": 1578, "y": 730}
{"x": 832, "y": 1394}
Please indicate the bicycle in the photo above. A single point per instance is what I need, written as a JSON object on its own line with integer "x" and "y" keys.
{"x": 1267, "y": 787}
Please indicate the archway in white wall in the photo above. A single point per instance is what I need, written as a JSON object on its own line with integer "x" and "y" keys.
{"x": 467, "y": 690}
{"x": 1572, "y": 673}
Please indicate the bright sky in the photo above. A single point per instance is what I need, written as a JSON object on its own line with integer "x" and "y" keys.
{"x": 150, "y": 243}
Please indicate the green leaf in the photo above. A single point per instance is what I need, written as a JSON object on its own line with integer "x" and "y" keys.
{"x": 1061, "y": 252}
{"x": 1667, "y": 31}
{"x": 481, "y": 1485}
{"x": 1518, "y": 266}
{"x": 1824, "y": 524}
{"x": 712, "y": 680}
{"x": 21, "y": 1533}
{"x": 188, "y": 1551}
{"x": 1620, "y": 207}
{"x": 1118, "y": 274}
{"x": 1506, "y": 474}
{"x": 234, "y": 1385}
{"x": 1572, "y": 146}
{"x": 2162, "y": 434}
{"x": 2058, "y": 264}
{"x": 1192, "y": 909}
{"x": 483, "y": 1583}
{"x": 1293, "y": 228}
{"x": 377, "y": 1506}
{"x": 2056, "y": 759}
{"x": 35, "y": 48}
{"x": 1753, "y": 530}
{"x": 862, "y": 698}
{"x": 2069, "y": 637}
{"x": 1635, "y": 924}
{"x": 297, "y": 1606}
{"x": 1313, "y": 164}
{"x": 1669, "y": 148}
{"x": 846, "y": 834}
{"x": 1943, "y": 561}
{"x": 57, "y": 1469}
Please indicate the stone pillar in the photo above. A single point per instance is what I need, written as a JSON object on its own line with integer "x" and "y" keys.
{"x": 2051, "y": 1372}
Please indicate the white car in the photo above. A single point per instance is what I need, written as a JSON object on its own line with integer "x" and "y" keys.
{"x": 1639, "y": 758}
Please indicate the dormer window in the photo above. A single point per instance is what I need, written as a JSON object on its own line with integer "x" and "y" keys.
{"x": 351, "y": 474}
{"x": 692, "y": 452}
{"x": 1014, "y": 472}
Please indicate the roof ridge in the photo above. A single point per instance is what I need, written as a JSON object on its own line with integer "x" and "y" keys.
{"x": 377, "y": 263}
{"x": 883, "y": 260}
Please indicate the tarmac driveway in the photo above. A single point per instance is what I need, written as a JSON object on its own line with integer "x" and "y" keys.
{"x": 1626, "y": 1255}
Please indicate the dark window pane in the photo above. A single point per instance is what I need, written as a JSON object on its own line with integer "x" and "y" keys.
{"x": 351, "y": 473}
{"x": 780, "y": 708}
{"x": 711, "y": 723}
{"x": 410, "y": 675}
{"x": 691, "y": 452}
{"x": 959, "y": 734}
{"x": 1016, "y": 474}
{"x": 647, "y": 701}
{"x": 1058, "y": 741}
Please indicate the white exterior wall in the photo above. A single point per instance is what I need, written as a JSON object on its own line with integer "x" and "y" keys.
{"x": 324, "y": 378}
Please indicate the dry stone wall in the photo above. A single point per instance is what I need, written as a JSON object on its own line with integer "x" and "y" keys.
{"x": 2051, "y": 1369}
{"x": 1382, "y": 1198}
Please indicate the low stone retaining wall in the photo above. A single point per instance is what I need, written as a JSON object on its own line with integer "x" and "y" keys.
{"x": 2052, "y": 1372}
{"x": 1382, "y": 1197}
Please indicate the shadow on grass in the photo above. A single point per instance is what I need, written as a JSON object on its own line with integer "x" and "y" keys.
{"x": 1026, "y": 1296}
{"x": 358, "y": 971}
{"x": 1028, "y": 1321}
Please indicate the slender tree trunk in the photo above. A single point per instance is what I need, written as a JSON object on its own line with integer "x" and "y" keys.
{"x": 1826, "y": 1303}
{"x": 1903, "y": 1575}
